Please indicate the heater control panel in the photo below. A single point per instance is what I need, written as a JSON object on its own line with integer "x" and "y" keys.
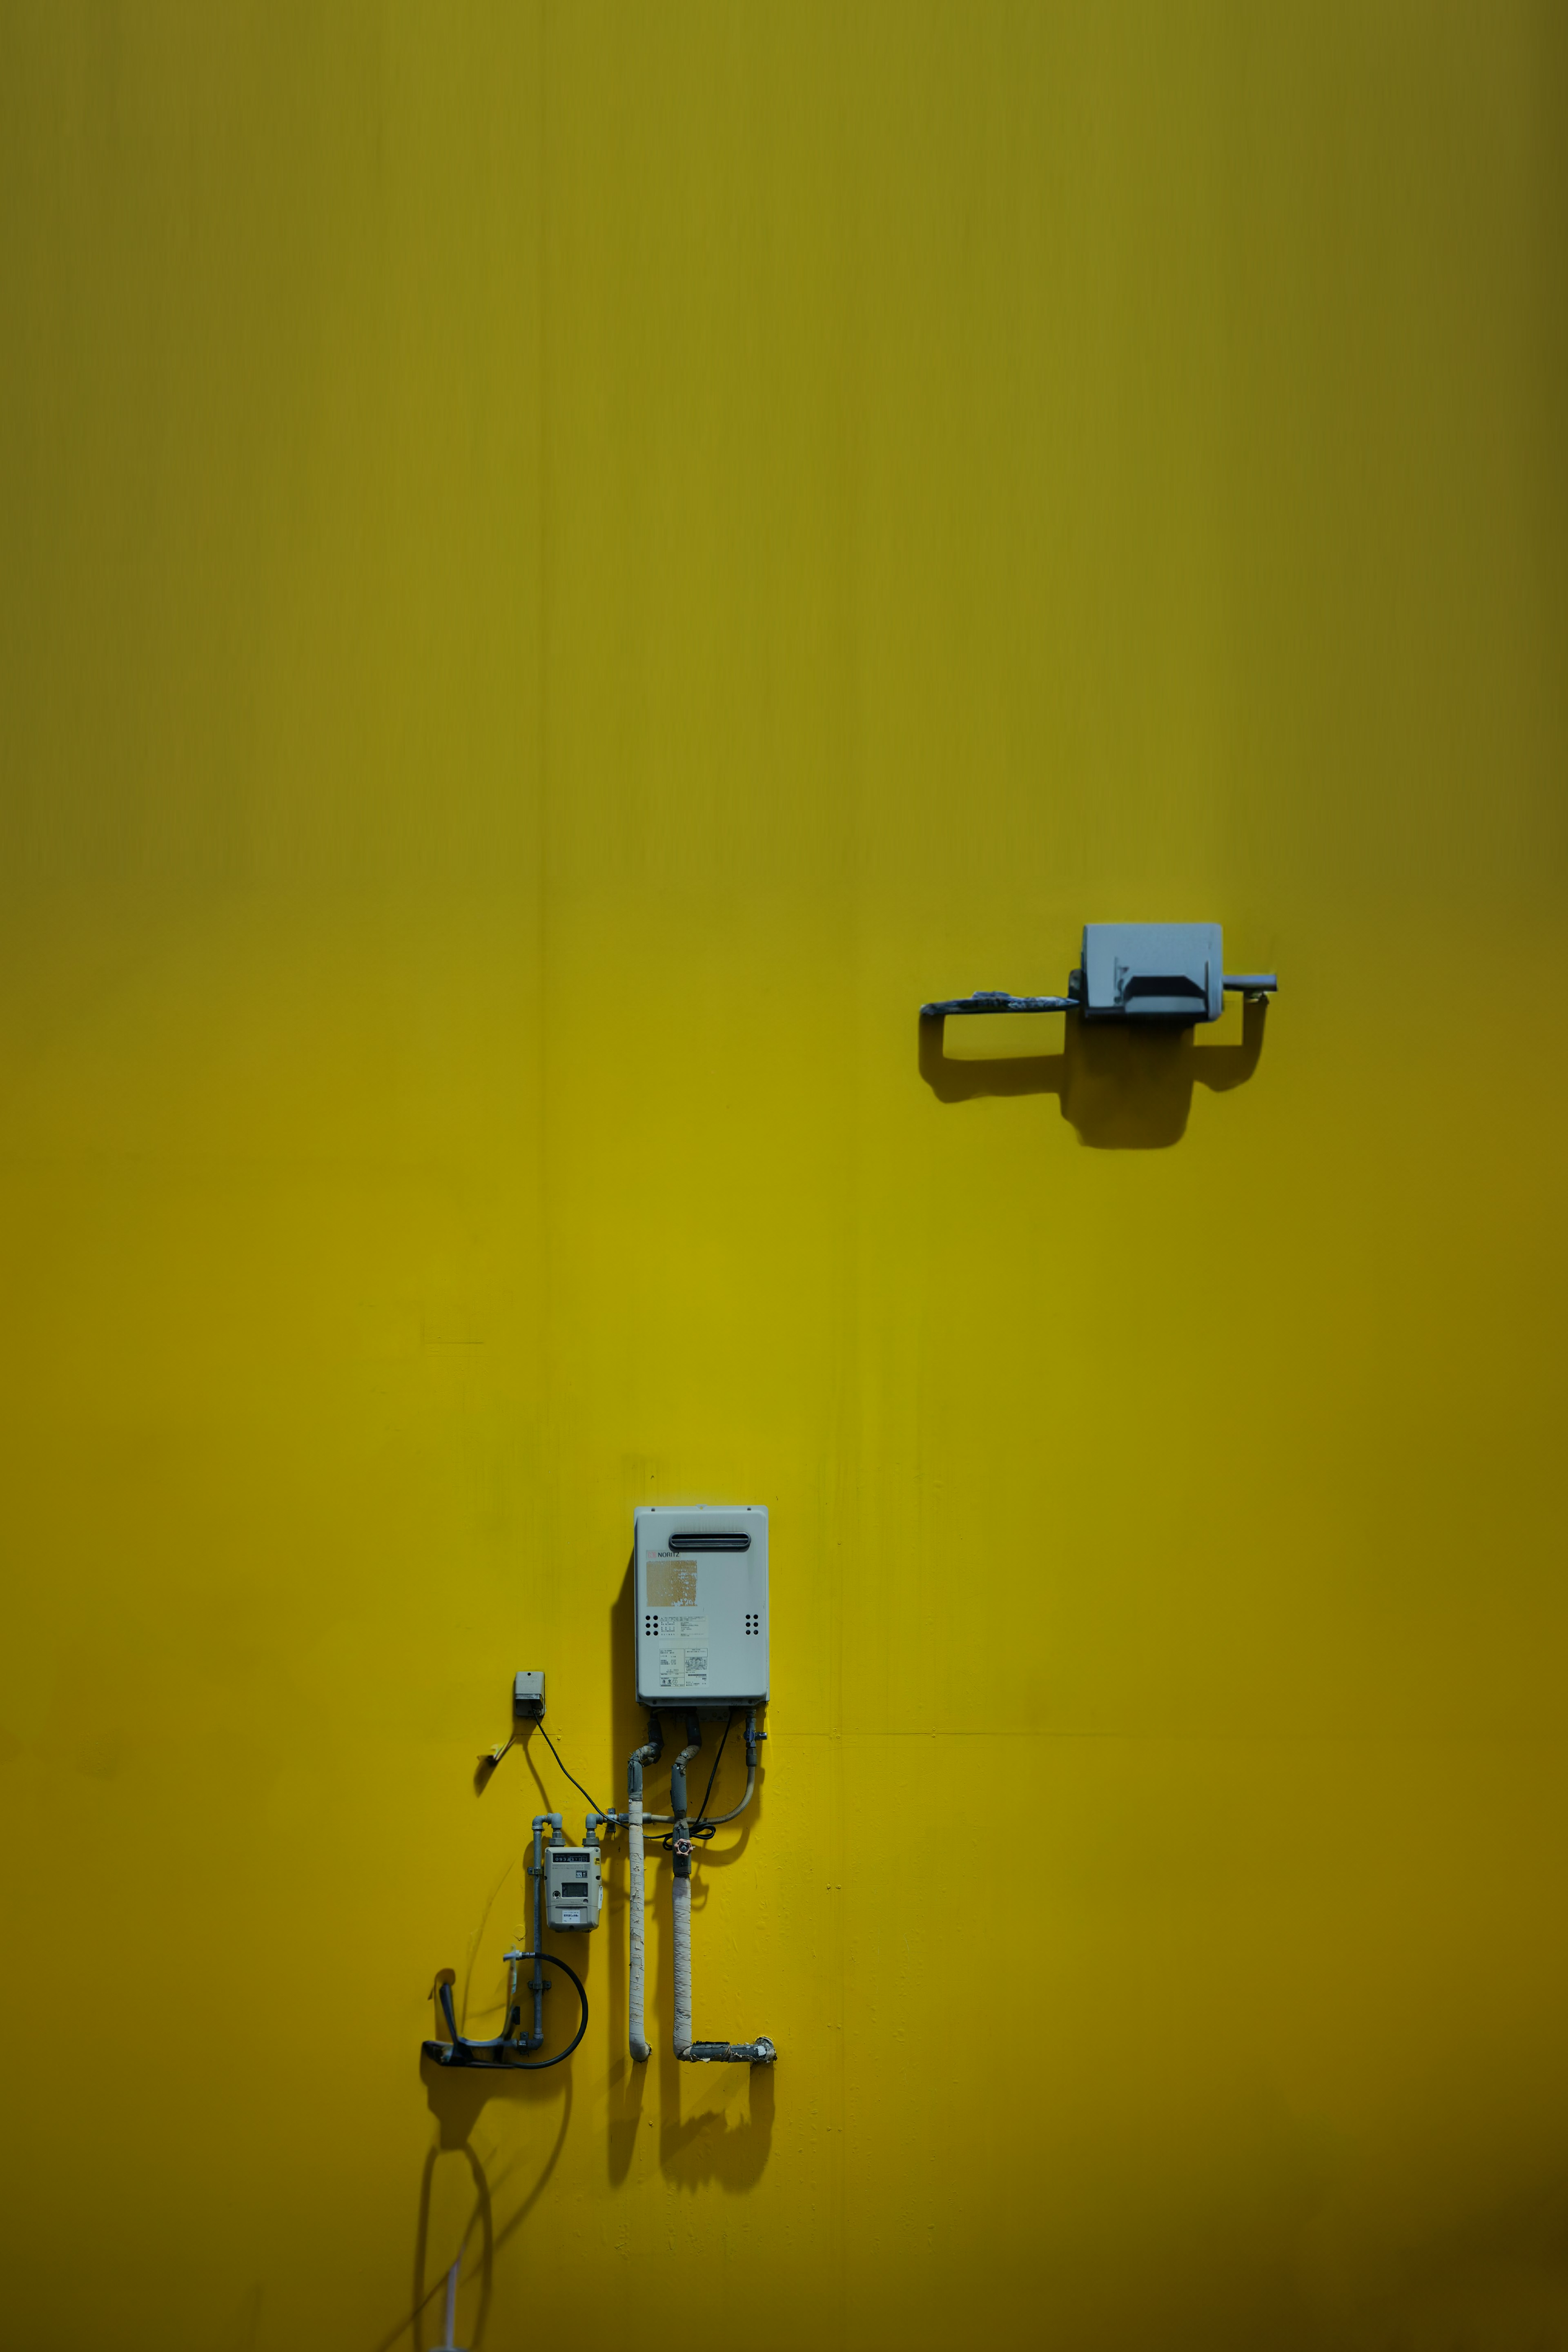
{"x": 701, "y": 1592}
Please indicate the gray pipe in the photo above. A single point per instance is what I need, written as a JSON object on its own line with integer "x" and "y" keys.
{"x": 715, "y": 1819}
{"x": 536, "y": 1982}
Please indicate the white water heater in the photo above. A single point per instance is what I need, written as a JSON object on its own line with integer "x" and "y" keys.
{"x": 701, "y": 1586}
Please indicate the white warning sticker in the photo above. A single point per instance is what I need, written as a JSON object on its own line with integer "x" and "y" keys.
{"x": 681, "y": 1652}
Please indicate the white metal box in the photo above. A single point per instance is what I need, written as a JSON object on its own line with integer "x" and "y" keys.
{"x": 701, "y": 1592}
{"x": 1169, "y": 972}
{"x": 572, "y": 1891}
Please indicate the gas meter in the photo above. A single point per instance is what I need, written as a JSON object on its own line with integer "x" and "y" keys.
{"x": 573, "y": 1892}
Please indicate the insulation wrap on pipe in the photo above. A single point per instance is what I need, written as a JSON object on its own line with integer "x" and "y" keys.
{"x": 682, "y": 1966}
{"x": 636, "y": 2026}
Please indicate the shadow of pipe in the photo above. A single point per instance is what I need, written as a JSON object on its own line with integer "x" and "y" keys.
{"x": 483, "y": 2214}
{"x": 456, "y": 2101}
{"x": 1121, "y": 1088}
{"x": 1220, "y": 1067}
{"x": 725, "y": 2144}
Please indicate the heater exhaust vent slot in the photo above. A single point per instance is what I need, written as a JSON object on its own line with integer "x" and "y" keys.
{"x": 709, "y": 1540}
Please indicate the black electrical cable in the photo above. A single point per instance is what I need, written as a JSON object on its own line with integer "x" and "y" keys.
{"x": 577, "y": 1784}
{"x": 708, "y": 1791}
{"x": 447, "y": 2053}
{"x": 699, "y": 1828}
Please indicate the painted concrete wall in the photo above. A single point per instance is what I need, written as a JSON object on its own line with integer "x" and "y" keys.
{"x": 565, "y": 567}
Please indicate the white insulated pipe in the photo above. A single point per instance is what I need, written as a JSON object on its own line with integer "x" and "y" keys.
{"x": 636, "y": 2027}
{"x": 449, "y": 2333}
{"x": 682, "y": 1892}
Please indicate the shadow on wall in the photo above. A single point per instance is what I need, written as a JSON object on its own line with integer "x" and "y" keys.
{"x": 703, "y": 2133}
{"x": 456, "y": 2100}
{"x": 1123, "y": 1089}
{"x": 457, "y": 2097}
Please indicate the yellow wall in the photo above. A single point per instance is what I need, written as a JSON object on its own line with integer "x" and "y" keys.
{"x": 566, "y": 566}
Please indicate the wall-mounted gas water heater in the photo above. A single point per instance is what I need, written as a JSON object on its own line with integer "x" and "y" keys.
{"x": 700, "y": 1581}
{"x": 1167, "y": 976}
{"x": 700, "y": 1633}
